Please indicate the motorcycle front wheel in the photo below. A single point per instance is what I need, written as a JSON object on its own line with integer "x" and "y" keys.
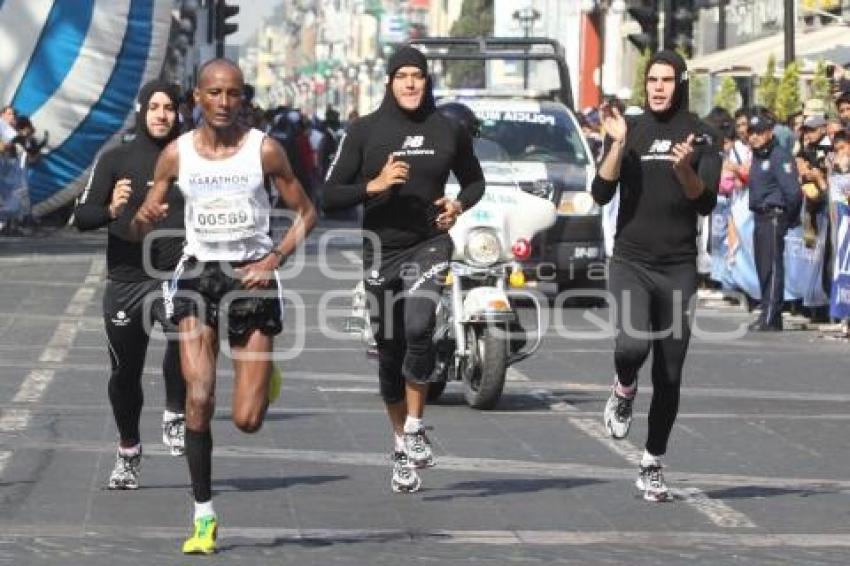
{"x": 484, "y": 374}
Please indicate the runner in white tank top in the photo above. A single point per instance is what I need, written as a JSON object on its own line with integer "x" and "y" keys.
{"x": 227, "y": 212}
{"x": 229, "y": 260}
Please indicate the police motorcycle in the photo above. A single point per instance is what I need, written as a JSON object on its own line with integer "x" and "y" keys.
{"x": 478, "y": 333}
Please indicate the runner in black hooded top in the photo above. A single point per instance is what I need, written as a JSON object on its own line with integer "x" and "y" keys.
{"x": 117, "y": 187}
{"x": 430, "y": 143}
{"x": 134, "y": 161}
{"x": 667, "y": 165}
{"x": 396, "y": 161}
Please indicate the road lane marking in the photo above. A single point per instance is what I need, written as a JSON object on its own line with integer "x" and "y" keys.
{"x": 45, "y": 259}
{"x": 715, "y": 510}
{"x": 369, "y": 390}
{"x": 624, "y": 449}
{"x": 63, "y": 338}
{"x": 5, "y": 455}
{"x": 33, "y": 388}
{"x": 14, "y": 420}
{"x": 37, "y": 381}
{"x": 495, "y": 537}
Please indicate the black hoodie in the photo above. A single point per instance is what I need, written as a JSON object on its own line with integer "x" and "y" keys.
{"x": 136, "y": 161}
{"x": 656, "y": 222}
{"x": 432, "y": 144}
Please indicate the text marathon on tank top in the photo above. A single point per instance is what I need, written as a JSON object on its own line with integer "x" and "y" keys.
{"x": 227, "y": 207}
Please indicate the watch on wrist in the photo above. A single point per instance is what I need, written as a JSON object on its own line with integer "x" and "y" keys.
{"x": 279, "y": 255}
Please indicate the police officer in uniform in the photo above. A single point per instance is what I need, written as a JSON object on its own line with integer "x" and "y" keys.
{"x": 775, "y": 200}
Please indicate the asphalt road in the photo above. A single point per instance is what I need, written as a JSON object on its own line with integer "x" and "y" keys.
{"x": 758, "y": 458}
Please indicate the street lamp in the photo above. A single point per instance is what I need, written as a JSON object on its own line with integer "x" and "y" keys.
{"x": 526, "y": 18}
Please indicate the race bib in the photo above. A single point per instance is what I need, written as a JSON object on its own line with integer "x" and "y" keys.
{"x": 223, "y": 219}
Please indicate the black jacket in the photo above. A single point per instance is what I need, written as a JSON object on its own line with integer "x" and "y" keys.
{"x": 657, "y": 222}
{"x": 135, "y": 160}
{"x": 432, "y": 144}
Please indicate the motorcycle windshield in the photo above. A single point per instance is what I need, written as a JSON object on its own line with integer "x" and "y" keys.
{"x": 506, "y": 211}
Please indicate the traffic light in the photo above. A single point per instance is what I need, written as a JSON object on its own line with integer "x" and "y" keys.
{"x": 187, "y": 21}
{"x": 679, "y": 32}
{"x": 182, "y": 34}
{"x": 223, "y": 12}
{"x": 645, "y": 13}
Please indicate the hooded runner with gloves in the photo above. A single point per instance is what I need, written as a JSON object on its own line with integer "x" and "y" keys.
{"x": 667, "y": 164}
{"x": 396, "y": 162}
{"x": 119, "y": 182}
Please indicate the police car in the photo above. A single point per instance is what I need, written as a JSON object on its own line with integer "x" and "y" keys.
{"x": 529, "y": 137}
{"x": 538, "y": 145}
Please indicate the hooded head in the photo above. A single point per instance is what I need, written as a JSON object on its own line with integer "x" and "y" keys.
{"x": 143, "y": 102}
{"x": 666, "y": 92}
{"x": 408, "y": 84}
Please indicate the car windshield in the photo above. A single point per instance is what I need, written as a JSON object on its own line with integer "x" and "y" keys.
{"x": 529, "y": 136}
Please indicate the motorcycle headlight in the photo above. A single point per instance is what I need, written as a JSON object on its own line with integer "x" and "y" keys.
{"x": 483, "y": 248}
{"x": 577, "y": 203}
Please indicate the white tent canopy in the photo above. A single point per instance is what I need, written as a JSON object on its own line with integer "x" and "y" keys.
{"x": 830, "y": 43}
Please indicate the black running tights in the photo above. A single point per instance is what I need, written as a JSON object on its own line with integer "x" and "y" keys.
{"x": 653, "y": 312}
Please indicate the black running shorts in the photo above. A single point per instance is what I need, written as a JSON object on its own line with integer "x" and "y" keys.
{"x": 203, "y": 289}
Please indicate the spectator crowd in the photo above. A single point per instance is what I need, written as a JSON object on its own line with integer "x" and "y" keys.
{"x": 18, "y": 148}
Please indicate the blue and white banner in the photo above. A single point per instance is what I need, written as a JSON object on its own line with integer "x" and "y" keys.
{"x": 839, "y": 305}
{"x": 737, "y": 268}
{"x": 804, "y": 266}
{"x": 733, "y": 260}
{"x": 720, "y": 238}
{"x": 74, "y": 67}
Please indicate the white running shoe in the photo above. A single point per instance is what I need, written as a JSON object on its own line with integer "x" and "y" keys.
{"x": 174, "y": 434}
{"x": 651, "y": 481}
{"x": 405, "y": 479}
{"x": 125, "y": 474}
{"x": 418, "y": 449}
{"x": 618, "y": 415}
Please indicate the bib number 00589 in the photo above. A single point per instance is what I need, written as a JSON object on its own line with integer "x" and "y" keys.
{"x": 222, "y": 220}
{"x": 229, "y": 219}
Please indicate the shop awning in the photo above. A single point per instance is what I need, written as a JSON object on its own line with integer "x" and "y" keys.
{"x": 831, "y": 43}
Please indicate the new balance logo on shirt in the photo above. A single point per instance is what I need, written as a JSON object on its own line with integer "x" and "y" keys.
{"x": 412, "y": 145}
{"x": 658, "y": 150}
{"x": 413, "y": 142}
{"x": 660, "y": 146}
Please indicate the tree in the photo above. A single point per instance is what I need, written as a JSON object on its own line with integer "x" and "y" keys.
{"x": 639, "y": 89}
{"x": 820, "y": 87}
{"x": 788, "y": 96}
{"x": 727, "y": 97}
{"x": 768, "y": 85}
{"x": 476, "y": 19}
{"x": 697, "y": 93}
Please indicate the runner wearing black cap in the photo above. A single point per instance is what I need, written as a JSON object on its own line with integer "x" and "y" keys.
{"x": 667, "y": 164}
{"x": 396, "y": 162}
{"x": 118, "y": 185}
